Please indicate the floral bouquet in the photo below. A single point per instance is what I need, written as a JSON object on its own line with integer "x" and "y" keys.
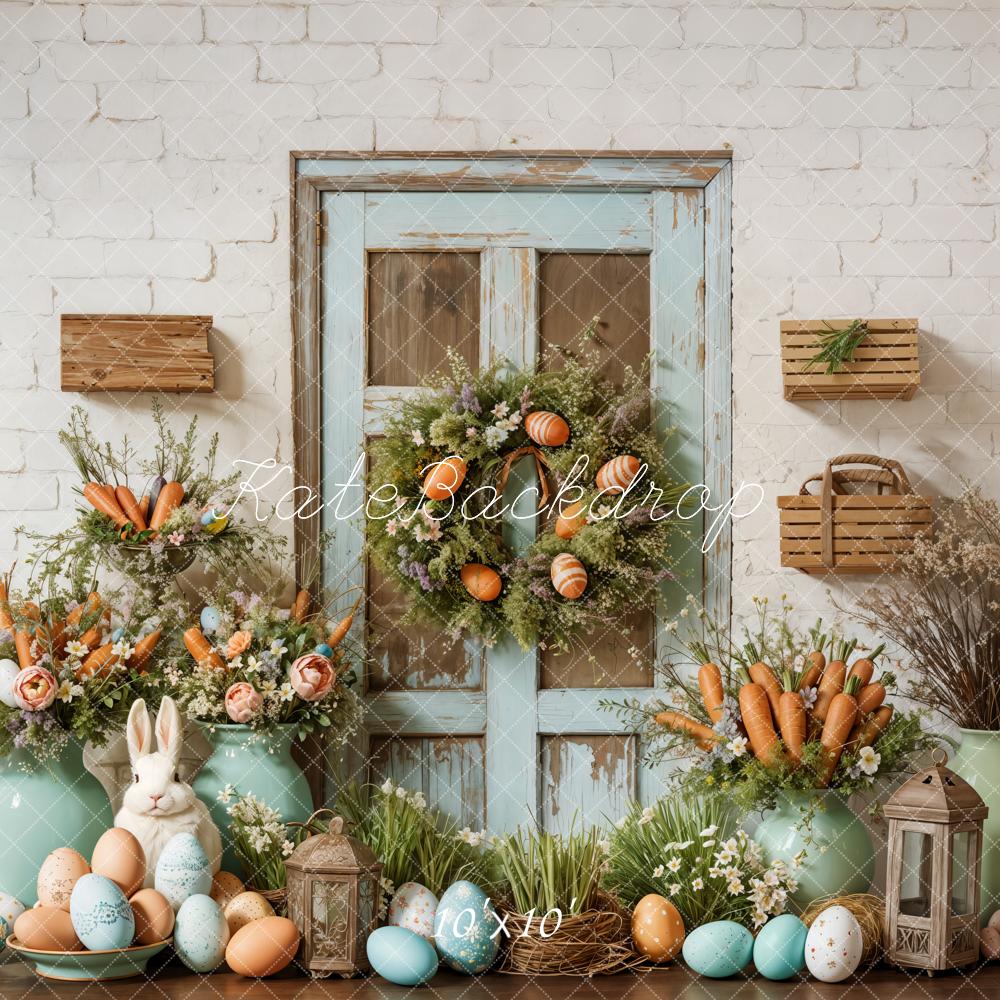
{"x": 262, "y": 666}
{"x": 770, "y": 713}
{"x": 70, "y": 667}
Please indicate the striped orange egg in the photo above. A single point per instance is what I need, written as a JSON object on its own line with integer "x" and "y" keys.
{"x": 571, "y": 520}
{"x": 568, "y": 576}
{"x": 444, "y": 478}
{"x": 616, "y": 476}
{"x": 481, "y": 582}
{"x": 548, "y": 429}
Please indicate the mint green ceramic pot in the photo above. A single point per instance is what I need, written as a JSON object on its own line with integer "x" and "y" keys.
{"x": 246, "y": 763}
{"x": 58, "y": 803}
{"x": 839, "y": 853}
{"x": 978, "y": 762}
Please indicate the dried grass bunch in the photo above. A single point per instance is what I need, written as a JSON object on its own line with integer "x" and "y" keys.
{"x": 943, "y": 609}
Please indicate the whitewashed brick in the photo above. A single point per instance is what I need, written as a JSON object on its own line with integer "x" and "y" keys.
{"x": 648, "y": 68}
{"x": 494, "y": 102}
{"x": 13, "y": 100}
{"x": 373, "y": 22}
{"x": 312, "y": 63}
{"x": 969, "y": 334}
{"x": 846, "y": 296}
{"x": 168, "y": 258}
{"x": 980, "y": 107}
{"x": 977, "y": 260}
{"x": 28, "y": 295}
{"x": 482, "y": 27}
{"x": 211, "y": 63}
{"x": 585, "y": 68}
{"x": 145, "y": 24}
{"x": 864, "y": 187}
{"x": 950, "y": 29}
{"x": 914, "y": 67}
{"x": 223, "y": 220}
{"x": 446, "y": 61}
{"x": 924, "y": 147}
{"x": 919, "y": 296}
{"x": 788, "y": 257}
{"x": 818, "y": 222}
{"x": 393, "y": 97}
{"x": 765, "y": 26}
{"x": 213, "y": 298}
{"x": 28, "y": 492}
{"x": 756, "y": 107}
{"x": 880, "y": 107}
{"x": 105, "y": 219}
{"x": 896, "y": 259}
{"x": 96, "y": 63}
{"x": 272, "y": 24}
{"x": 951, "y": 222}
{"x": 645, "y": 28}
{"x": 820, "y": 68}
{"x": 40, "y": 22}
{"x": 92, "y": 294}
{"x": 443, "y": 134}
{"x": 803, "y": 146}
{"x": 19, "y": 54}
{"x": 25, "y": 216}
{"x": 831, "y": 29}
{"x": 976, "y": 407}
{"x": 953, "y": 186}
{"x": 60, "y": 101}
{"x": 53, "y": 257}
{"x": 986, "y": 67}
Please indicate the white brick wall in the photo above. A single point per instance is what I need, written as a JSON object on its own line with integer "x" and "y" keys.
{"x": 144, "y": 166}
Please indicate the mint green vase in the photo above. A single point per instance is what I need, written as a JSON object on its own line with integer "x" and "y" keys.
{"x": 244, "y": 762}
{"x": 57, "y": 803}
{"x": 839, "y": 854}
{"x": 978, "y": 762}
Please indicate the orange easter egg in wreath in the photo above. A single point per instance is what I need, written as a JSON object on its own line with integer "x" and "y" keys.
{"x": 571, "y": 520}
{"x": 444, "y": 478}
{"x": 545, "y": 428}
{"x": 617, "y": 475}
{"x": 568, "y": 576}
{"x": 483, "y": 583}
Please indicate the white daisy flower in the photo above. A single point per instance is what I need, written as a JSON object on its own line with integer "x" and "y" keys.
{"x": 869, "y": 760}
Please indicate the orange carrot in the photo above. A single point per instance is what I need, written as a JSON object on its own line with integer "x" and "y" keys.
{"x": 103, "y": 499}
{"x": 710, "y": 683}
{"x": 201, "y": 649}
{"x": 811, "y": 675}
{"x": 91, "y": 604}
{"x": 756, "y": 711}
{"x": 830, "y": 685}
{"x": 870, "y": 699}
{"x": 143, "y": 651}
{"x": 167, "y": 502}
{"x": 336, "y": 637}
{"x": 762, "y": 674}
{"x": 703, "y": 735}
{"x": 128, "y": 503}
{"x": 144, "y": 506}
{"x": 300, "y": 606}
{"x": 22, "y": 643}
{"x": 840, "y": 719}
{"x": 865, "y": 667}
{"x": 92, "y": 636}
{"x": 98, "y": 663}
{"x": 792, "y": 719}
{"x": 6, "y": 618}
{"x": 875, "y": 726}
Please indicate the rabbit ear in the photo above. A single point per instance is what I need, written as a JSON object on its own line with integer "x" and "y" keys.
{"x": 169, "y": 730}
{"x": 140, "y": 739}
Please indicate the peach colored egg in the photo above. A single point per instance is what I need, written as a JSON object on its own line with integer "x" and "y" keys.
{"x": 616, "y": 476}
{"x": 444, "y": 478}
{"x": 263, "y": 947}
{"x": 569, "y": 576}
{"x": 57, "y": 876}
{"x": 47, "y": 928}
{"x": 571, "y": 520}
{"x": 154, "y": 916}
{"x": 120, "y": 857}
{"x": 548, "y": 429}
{"x": 225, "y": 888}
{"x": 246, "y": 908}
{"x": 657, "y": 928}
{"x": 481, "y": 582}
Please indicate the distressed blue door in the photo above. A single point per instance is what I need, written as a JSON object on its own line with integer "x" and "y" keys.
{"x": 497, "y": 737}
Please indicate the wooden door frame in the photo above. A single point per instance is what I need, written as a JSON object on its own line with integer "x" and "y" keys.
{"x": 313, "y": 173}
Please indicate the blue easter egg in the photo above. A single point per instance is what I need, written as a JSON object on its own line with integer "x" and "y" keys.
{"x": 117, "y": 634}
{"x": 324, "y": 650}
{"x": 779, "y": 952}
{"x": 465, "y": 929}
{"x": 401, "y": 956}
{"x": 201, "y": 933}
{"x": 101, "y": 915}
{"x": 182, "y": 870}
{"x": 208, "y": 517}
{"x": 210, "y": 619}
{"x": 719, "y": 949}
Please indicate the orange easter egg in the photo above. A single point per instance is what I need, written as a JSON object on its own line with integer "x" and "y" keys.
{"x": 481, "y": 582}
{"x": 444, "y": 478}
{"x": 546, "y": 428}
{"x": 568, "y": 576}
{"x": 657, "y": 928}
{"x": 616, "y": 476}
{"x": 571, "y": 520}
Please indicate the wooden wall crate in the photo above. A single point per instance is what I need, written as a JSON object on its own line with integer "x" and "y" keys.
{"x": 886, "y": 363}
{"x": 838, "y": 531}
{"x": 136, "y": 353}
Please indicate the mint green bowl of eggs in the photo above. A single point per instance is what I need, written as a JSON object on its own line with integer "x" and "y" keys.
{"x": 89, "y": 966}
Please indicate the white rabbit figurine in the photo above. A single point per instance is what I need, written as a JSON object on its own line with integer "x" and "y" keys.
{"x": 157, "y": 804}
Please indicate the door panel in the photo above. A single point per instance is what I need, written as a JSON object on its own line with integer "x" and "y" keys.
{"x": 591, "y": 778}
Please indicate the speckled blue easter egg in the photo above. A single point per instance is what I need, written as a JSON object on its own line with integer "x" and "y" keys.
{"x": 101, "y": 915}
{"x": 414, "y": 907}
{"x": 201, "y": 933}
{"x": 210, "y": 619}
{"x": 324, "y": 650}
{"x": 465, "y": 929}
{"x": 719, "y": 949}
{"x": 10, "y": 910}
{"x": 779, "y": 951}
{"x": 117, "y": 634}
{"x": 183, "y": 870}
{"x": 214, "y": 520}
{"x": 401, "y": 956}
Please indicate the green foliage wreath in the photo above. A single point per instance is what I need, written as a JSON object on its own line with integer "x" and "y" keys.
{"x": 423, "y": 544}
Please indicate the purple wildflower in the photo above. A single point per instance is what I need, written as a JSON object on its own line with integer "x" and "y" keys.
{"x": 468, "y": 399}
{"x": 525, "y": 400}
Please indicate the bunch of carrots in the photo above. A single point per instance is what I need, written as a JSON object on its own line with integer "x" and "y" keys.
{"x": 50, "y": 635}
{"x": 134, "y": 516}
{"x": 849, "y": 711}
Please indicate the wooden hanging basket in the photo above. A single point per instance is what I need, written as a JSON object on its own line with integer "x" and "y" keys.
{"x": 886, "y": 363}
{"x": 840, "y": 531}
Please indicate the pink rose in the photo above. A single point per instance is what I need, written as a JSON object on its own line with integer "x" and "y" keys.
{"x": 243, "y": 702}
{"x": 312, "y": 676}
{"x": 34, "y": 689}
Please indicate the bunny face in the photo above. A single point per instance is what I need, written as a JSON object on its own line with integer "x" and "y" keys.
{"x": 156, "y": 789}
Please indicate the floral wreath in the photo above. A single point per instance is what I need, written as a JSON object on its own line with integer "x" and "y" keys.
{"x": 436, "y": 502}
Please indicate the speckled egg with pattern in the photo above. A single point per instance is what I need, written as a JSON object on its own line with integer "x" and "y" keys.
{"x": 101, "y": 915}
{"x": 201, "y": 933}
{"x": 465, "y": 929}
{"x": 414, "y": 907}
{"x": 183, "y": 870}
{"x": 10, "y": 910}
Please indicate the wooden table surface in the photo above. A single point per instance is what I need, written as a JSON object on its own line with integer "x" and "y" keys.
{"x": 174, "y": 982}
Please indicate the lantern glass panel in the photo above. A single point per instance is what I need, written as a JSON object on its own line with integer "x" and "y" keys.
{"x": 330, "y": 919}
{"x": 368, "y": 895}
{"x": 963, "y": 865}
{"x": 916, "y": 877}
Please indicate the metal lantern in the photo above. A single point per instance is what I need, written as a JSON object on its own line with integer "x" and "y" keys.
{"x": 932, "y": 881}
{"x": 333, "y": 898}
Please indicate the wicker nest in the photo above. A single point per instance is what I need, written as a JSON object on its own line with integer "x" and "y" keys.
{"x": 597, "y": 942}
{"x": 868, "y": 910}
{"x": 276, "y": 897}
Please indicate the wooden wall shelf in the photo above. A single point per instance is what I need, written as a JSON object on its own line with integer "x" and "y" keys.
{"x": 136, "y": 353}
{"x": 886, "y": 363}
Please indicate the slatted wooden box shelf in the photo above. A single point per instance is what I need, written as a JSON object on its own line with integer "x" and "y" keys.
{"x": 837, "y": 531}
{"x": 886, "y": 363}
{"x": 136, "y": 353}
